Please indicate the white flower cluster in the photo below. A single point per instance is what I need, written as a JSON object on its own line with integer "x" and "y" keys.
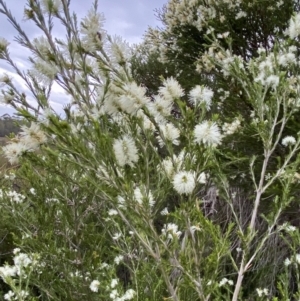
{"x": 231, "y": 128}
{"x": 51, "y": 6}
{"x": 162, "y": 105}
{"x": 18, "y": 295}
{"x": 129, "y": 295}
{"x": 184, "y": 182}
{"x": 201, "y": 95}
{"x": 168, "y": 132}
{"x": 29, "y": 140}
{"x": 207, "y": 133}
{"x": 23, "y": 266}
{"x": 5, "y": 97}
{"x": 44, "y": 71}
{"x": 118, "y": 50}
{"x": 118, "y": 259}
{"x": 3, "y": 43}
{"x": 287, "y": 58}
{"x": 141, "y": 196}
{"x": 125, "y": 151}
{"x": 92, "y": 30}
{"x": 42, "y": 45}
{"x": 170, "y": 231}
{"x": 15, "y": 197}
{"x": 288, "y": 140}
{"x": 171, "y": 165}
{"x": 171, "y": 89}
{"x": 225, "y": 281}
{"x": 294, "y": 27}
{"x": 294, "y": 259}
{"x": 262, "y": 292}
{"x": 94, "y": 286}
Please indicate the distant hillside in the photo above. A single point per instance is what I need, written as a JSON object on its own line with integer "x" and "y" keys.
{"x": 8, "y": 125}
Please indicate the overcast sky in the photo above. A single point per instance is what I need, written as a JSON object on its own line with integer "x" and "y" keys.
{"x": 127, "y": 18}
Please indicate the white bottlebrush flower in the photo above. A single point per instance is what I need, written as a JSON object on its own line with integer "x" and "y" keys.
{"x": 32, "y": 191}
{"x": 3, "y": 44}
{"x": 119, "y": 50}
{"x": 21, "y": 260}
{"x": 288, "y": 140}
{"x": 111, "y": 105}
{"x": 22, "y": 295}
{"x": 14, "y": 151}
{"x": 138, "y": 196}
{"x": 118, "y": 259}
{"x": 184, "y": 182}
{"x": 16, "y": 251}
{"x": 42, "y": 45}
{"x": 33, "y": 136}
{"x": 290, "y": 228}
{"x": 225, "y": 281}
{"x": 129, "y": 294}
{"x": 151, "y": 200}
{"x": 171, "y": 89}
{"x": 44, "y": 72}
{"x": 171, "y": 165}
{"x": 146, "y": 122}
{"x": 168, "y": 132}
{"x": 287, "y": 262}
{"x": 294, "y": 27}
{"x": 125, "y": 151}
{"x": 112, "y": 212}
{"x": 9, "y": 296}
{"x": 114, "y": 294}
{"x": 46, "y": 116}
{"x": 170, "y": 231}
{"x": 240, "y": 14}
{"x": 15, "y": 197}
{"x": 272, "y": 80}
{"x": 117, "y": 236}
{"x": 261, "y": 292}
{"x": 201, "y": 95}
{"x": 104, "y": 265}
{"x": 207, "y": 133}
{"x": 114, "y": 283}
{"x": 92, "y": 30}
{"x": 6, "y": 98}
{"x": 298, "y": 258}
{"x": 5, "y": 79}
{"x": 51, "y": 6}
{"x": 231, "y": 128}
{"x": 121, "y": 202}
{"x": 286, "y": 59}
{"x": 8, "y": 271}
{"x": 133, "y": 98}
{"x": 168, "y": 167}
{"x": 94, "y": 286}
{"x": 160, "y": 108}
{"x": 141, "y": 195}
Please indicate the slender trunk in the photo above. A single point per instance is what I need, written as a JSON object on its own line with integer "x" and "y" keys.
{"x": 259, "y": 193}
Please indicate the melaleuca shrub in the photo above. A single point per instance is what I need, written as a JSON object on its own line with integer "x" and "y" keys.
{"x": 140, "y": 195}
